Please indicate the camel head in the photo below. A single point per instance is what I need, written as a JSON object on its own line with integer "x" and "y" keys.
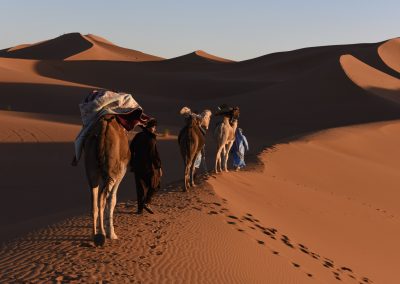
{"x": 205, "y": 118}
{"x": 235, "y": 112}
{"x": 185, "y": 111}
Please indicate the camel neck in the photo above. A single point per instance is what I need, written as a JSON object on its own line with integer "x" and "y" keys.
{"x": 234, "y": 125}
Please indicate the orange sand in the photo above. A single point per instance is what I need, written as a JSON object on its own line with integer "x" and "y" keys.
{"x": 323, "y": 207}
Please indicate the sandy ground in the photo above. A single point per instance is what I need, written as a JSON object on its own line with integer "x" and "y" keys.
{"x": 318, "y": 208}
{"x": 334, "y": 195}
{"x": 312, "y": 212}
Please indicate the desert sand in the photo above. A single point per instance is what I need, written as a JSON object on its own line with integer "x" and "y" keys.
{"x": 316, "y": 204}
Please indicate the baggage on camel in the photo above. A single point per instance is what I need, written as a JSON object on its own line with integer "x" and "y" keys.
{"x": 102, "y": 102}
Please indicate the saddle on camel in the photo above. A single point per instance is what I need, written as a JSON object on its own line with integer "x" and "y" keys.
{"x": 106, "y": 116}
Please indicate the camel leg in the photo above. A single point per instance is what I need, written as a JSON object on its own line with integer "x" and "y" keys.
{"x": 218, "y": 159}
{"x": 223, "y": 156}
{"x": 228, "y": 149}
{"x": 186, "y": 176}
{"x": 112, "y": 201}
{"x": 95, "y": 209}
{"x": 102, "y": 205}
{"x": 105, "y": 191}
{"x": 191, "y": 172}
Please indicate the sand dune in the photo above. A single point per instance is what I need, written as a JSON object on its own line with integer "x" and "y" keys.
{"x": 315, "y": 213}
{"x": 27, "y": 128}
{"x": 74, "y": 46}
{"x": 25, "y": 71}
{"x": 102, "y": 49}
{"x": 55, "y": 49}
{"x": 370, "y": 79}
{"x": 390, "y": 53}
{"x": 333, "y": 195}
{"x": 200, "y": 56}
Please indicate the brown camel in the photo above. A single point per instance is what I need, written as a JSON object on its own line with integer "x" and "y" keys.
{"x": 106, "y": 158}
{"x": 191, "y": 140}
{"x": 225, "y": 136}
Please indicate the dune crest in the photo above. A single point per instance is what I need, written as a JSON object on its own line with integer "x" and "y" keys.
{"x": 206, "y": 55}
{"x": 54, "y": 49}
{"x": 371, "y": 79}
{"x": 390, "y": 53}
{"x": 200, "y": 56}
{"x": 103, "y": 49}
{"x": 75, "y": 46}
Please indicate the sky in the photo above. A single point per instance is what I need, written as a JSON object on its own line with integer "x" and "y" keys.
{"x": 233, "y": 29}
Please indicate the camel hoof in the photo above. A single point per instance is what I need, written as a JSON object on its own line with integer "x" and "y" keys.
{"x": 99, "y": 240}
{"x": 114, "y": 236}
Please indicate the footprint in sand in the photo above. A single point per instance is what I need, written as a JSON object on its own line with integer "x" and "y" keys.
{"x": 346, "y": 269}
{"x": 286, "y": 241}
{"x": 366, "y": 280}
{"x": 248, "y": 219}
{"x": 296, "y": 264}
{"x": 328, "y": 263}
{"x": 270, "y": 233}
{"x": 260, "y": 227}
{"x": 336, "y": 275}
{"x": 304, "y": 249}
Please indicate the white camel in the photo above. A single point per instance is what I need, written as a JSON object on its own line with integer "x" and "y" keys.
{"x": 225, "y": 136}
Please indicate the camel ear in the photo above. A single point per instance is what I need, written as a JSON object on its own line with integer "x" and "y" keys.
{"x": 185, "y": 110}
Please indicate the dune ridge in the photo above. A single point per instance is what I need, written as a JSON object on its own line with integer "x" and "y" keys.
{"x": 389, "y": 52}
{"x": 102, "y": 49}
{"x": 371, "y": 79}
{"x": 75, "y": 46}
{"x": 310, "y": 214}
{"x": 200, "y": 56}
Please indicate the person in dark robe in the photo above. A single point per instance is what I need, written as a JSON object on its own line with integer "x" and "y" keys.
{"x": 146, "y": 164}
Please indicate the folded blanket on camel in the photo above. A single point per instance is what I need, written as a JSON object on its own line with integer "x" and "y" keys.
{"x": 101, "y": 102}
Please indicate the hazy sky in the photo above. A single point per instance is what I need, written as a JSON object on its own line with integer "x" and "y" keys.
{"x": 228, "y": 28}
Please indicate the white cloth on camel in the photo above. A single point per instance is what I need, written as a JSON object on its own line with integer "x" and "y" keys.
{"x": 97, "y": 104}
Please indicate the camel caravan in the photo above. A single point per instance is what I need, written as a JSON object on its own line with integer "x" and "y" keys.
{"x": 103, "y": 142}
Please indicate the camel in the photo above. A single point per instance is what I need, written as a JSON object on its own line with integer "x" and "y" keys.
{"x": 191, "y": 141}
{"x": 106, "y": 156}
{"x": 225, "y": 136}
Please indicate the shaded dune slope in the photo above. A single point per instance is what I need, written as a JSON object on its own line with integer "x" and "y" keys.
{"x": 54, "y": 49}
{"x": 291, "y": 92}
{"x": 104, "y": 50}
{"x": 74, "y": 46}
